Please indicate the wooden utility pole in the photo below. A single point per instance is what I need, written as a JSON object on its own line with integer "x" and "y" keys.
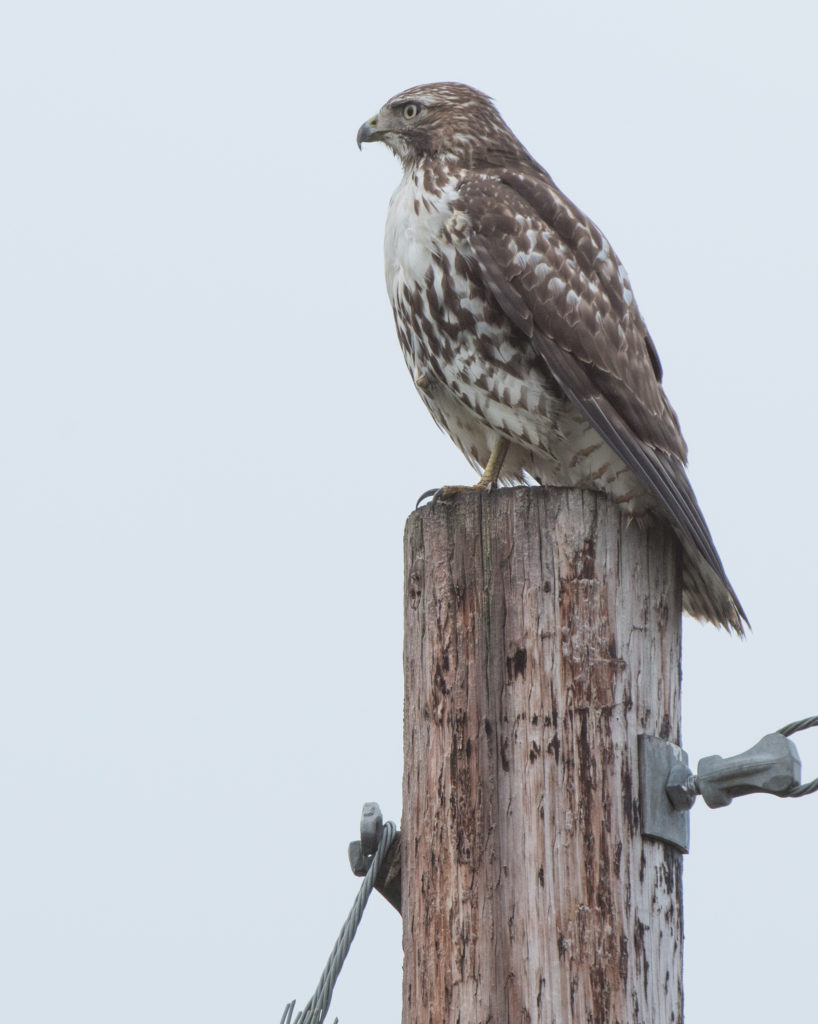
{"x": 542, "y": 636}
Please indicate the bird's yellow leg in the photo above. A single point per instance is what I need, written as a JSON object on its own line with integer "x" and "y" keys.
{"x": 486, "y": 482}
{"x": 493, "y": 466}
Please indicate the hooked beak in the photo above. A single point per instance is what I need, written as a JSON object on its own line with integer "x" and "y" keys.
{"x": 368, "y": 131}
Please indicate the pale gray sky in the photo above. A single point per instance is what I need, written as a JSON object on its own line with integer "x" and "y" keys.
{"x": 210, "y": 445}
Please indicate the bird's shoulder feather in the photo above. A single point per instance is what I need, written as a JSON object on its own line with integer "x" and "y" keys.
{"x": 557, "y": 278}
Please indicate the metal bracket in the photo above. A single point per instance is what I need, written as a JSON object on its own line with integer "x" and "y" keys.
{"x": 658, "y": 759}
{"x": 668, "y": 787}
{"x": 361, "y": 852}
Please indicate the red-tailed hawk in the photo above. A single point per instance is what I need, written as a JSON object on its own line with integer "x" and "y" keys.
{"x": 520, "y": 329}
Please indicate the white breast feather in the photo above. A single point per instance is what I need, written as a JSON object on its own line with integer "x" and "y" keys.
{"x": 410, "y": 237}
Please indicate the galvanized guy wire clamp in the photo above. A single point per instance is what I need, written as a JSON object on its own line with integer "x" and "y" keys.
{"x": 668, "y": 787}
{"x": 361, "y": 852}
{"x": 317, "y": 1006}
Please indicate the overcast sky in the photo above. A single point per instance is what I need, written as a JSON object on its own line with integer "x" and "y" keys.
{"x": 210, "y": 444}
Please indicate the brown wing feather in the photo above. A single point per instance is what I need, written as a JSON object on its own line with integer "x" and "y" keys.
{"x": 553, "y": 263}
{"x": 555, "y": 276}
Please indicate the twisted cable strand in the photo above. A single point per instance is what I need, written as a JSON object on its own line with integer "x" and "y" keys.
{"x": 787, "y": 730}
{"x": 317, "y": 1006}
{"x": 803, "y": 723}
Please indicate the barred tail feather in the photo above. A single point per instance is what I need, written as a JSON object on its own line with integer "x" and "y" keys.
{"x": 707, "y": 594}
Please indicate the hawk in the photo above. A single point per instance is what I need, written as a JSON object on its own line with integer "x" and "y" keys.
{"x": 520, "y": 329}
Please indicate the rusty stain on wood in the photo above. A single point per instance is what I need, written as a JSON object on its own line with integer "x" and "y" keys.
{"x": 542, "y": 634}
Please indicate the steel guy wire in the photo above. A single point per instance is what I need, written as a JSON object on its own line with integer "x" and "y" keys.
{"x": 317, "y": 1006}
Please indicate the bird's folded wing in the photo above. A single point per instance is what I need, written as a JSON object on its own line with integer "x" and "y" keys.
{"x": 555, "y": 276}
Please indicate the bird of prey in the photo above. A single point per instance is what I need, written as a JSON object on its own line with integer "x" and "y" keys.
{"x": 521, "y": 331}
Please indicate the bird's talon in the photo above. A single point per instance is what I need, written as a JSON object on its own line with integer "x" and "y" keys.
{"x": 447, "y": 491}
{"x": 433, "y": 493}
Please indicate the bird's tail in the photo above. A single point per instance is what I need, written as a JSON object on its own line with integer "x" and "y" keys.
{"x": 707, "y": 594}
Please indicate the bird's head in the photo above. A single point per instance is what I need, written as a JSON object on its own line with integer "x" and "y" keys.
{"x": 446, "y": 121}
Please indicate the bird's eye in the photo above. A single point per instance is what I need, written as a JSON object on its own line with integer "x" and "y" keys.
{"x": 410, "y": 111}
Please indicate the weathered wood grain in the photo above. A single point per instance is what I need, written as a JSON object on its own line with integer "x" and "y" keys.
{"x": 542, "y": 634}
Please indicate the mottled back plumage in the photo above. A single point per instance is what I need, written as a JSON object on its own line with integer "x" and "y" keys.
{"x": 518, "y": 324}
